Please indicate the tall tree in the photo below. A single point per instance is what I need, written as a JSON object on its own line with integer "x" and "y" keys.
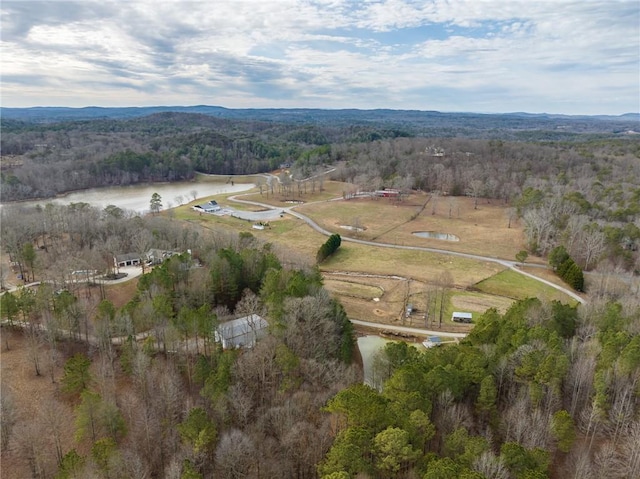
{"x": 76, "y": 377}
{"x": 155, "y": 205}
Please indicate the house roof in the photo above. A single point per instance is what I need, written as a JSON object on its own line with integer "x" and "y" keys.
{"x": 155, "y": 253}
{"x": 241, "y": 326}
{"x": 127, "y": 257}
{"x": 209, "y": 206}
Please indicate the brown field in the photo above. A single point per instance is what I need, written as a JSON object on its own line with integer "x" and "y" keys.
{"x": 417, "y": 265}
{"x": 479, "y": 303}
{"x": 481, "y": 231}
{"x": 380, "y": 299}
{"x": 331, "y": 190}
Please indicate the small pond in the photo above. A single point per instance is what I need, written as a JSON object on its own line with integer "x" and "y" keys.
{"x": 436, "y": 235}
{"x": 369, "y": 346}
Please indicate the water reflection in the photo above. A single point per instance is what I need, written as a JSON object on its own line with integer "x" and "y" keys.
{"x": 369, "y": 346}
{"x": 136, "y": 197}
{"x": 436, "y": 235}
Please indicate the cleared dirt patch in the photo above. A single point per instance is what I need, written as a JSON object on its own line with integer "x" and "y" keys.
{"x": 354, "y": 289}
{"x": 479, "y": 303}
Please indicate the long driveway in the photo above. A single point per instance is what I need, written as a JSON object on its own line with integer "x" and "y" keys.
{"x": 513, "y": 265}
{"x": 407, "y": 329}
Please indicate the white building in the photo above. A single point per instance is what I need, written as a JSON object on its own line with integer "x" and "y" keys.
{"x": 209, "y": 207}
{"x": 459, "y": 317}
{"x": 241, "y": 332}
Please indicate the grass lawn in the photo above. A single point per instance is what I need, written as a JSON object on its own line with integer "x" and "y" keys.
{"x": 404, "y": 274}
{"x": 511, "y": 284}
{"x": 483, "y": 231}
{"x": 419, "y": 265}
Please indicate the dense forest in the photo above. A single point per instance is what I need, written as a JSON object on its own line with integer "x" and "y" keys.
{"x": 176, "y": 404}
{"x": 542, "y": 387}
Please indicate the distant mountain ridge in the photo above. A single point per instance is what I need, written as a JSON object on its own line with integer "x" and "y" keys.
{"x": 417, "y": 120}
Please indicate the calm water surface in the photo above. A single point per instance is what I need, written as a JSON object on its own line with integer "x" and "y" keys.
{"x": 137, "y": 197}
{"x": 369, "y": 346}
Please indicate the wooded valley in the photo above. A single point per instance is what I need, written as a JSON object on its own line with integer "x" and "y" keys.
{"x": 141, "y": 386}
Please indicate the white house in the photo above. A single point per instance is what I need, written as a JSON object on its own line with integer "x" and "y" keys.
{"x": 241, "y": 332}
{"x": 208, "y": 207}
{"x": 459, "y": 317}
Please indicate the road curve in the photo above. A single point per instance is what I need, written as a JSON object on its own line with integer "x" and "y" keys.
{"x": 513, "y": 265}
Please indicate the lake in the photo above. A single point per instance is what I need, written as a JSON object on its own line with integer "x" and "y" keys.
{"x": 136, "y": 197}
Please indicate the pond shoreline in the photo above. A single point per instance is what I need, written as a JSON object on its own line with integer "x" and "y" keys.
{"x": 135, "y": 197}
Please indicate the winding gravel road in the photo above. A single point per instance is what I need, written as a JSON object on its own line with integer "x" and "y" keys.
{"x": 513, "y": 265}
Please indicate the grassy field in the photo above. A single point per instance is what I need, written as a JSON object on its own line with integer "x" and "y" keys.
{"x": 418, "y": 265}
{"x": 330, "y": 190}
{"x": 394, "y": 276}
{"x": 511, "y": 284}
{"x": 483, "y": 231}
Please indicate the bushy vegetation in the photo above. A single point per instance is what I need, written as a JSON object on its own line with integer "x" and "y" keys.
{"x": 328, "y": 247}
{"x": 524, "y": 390}
{"x": 566, "y": 268}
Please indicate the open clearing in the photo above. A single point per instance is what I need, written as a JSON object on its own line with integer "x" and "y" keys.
{"x": 483, "y": 230}
{"x": 511, "y": 284}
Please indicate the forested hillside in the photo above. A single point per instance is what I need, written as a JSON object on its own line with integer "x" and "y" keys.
{"x": 140, "y": 387}
{"x": 543, "y": 390}
{"x": 175, "y": 404}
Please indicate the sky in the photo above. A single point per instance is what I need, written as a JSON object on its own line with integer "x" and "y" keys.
{"x": 490, "y": 56}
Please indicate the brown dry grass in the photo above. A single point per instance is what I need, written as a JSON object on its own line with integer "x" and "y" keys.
{"x": 418, "y": 265}
{"x": 121, "y": 293}
{"x": 389, "y": 308}
{"x": 481, "y": 231}
{"x": 479, "y": 303}
{"x": 331, "y": 190}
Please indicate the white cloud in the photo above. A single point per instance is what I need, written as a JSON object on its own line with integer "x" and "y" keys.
{"x": 558, "y": 56}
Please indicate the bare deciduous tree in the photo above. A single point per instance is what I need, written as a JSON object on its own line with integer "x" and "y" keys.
{"x": 235, "y": 455}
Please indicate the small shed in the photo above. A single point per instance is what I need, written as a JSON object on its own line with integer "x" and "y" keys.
{"x": 409, "y": 310}
{"x": 460, "y": 317}
{"x": 242, "y": 332}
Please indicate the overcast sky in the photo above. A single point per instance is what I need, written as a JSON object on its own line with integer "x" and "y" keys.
{"x": 556, "y": 56}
